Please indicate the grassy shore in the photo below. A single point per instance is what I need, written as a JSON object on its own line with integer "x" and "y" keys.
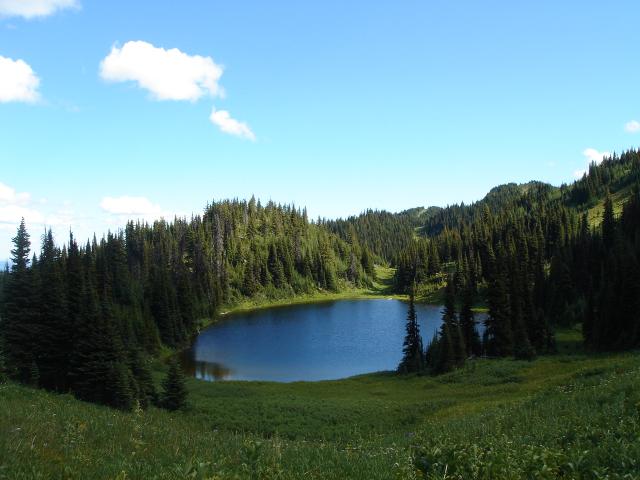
{"x": 569, "y": 415}
{"x": 381, "y": 288}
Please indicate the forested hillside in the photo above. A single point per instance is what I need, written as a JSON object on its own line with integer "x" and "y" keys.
{"x": 85, "y": 317}
{"x": 539, "y": 260}
{"x": 382, "y": 232}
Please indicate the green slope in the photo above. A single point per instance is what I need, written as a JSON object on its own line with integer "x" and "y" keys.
{"x": 567, "y": 414}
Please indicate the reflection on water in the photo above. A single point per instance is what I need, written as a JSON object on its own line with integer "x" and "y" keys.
{"x": 307, "y": 342}
{"x": 209, "y": 371}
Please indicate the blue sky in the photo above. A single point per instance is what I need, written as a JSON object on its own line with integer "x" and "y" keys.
{"x": 339, "y": 106}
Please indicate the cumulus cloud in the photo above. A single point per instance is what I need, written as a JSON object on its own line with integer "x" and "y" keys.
{"x": 227, "y": 124}
{"x": 14, "y": 206}
{"x": 166, "y": 74}
{"x": 10, "y": 216}
{"x": 126, "y": 205}
{"x": 632, "y": 127}
{"x": 9, "y": 195}
{"x": 18, "y": 82}
{"x": 593, "y": 156}
{"x": 34, "y": 8}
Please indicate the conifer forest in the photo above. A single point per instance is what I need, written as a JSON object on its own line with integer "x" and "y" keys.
{"x": 319, "y": 240}
{"x": 91, "y": 319}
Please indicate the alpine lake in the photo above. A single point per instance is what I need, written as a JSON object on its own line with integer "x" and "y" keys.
{"x": 308, "y": 342}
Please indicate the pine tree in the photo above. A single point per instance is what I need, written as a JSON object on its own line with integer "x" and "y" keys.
{"x": 412, "y": 354}
{"x": 367, "y": 263}
{"x": 34, "y": 375}
{"x": 145, "y": 387}
{"x": 608, "y": 222}
{"x": 55, "y": 331}
{"x": 468, "y": 324}
{"x": 452, "y": 349}
{"x": 120, "y": 386}
{"x": 174, "y": 395}
{"x": 498, "y": 327}
{"x": 4, "y": 370}
{"x": 18, "y": 327}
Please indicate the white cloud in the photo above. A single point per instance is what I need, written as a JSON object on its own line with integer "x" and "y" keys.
{"x": 126, "y": 205}
{"x": 632, "y": 127}
{"x": 593, "y": 156}
{"x": 10, "y": 216}
{"x": 229, "y": 125}
{"x": 167, "y": 74}
{"x": 9, "y": 195}
{"x": 18, "y": 82}
{"x": 14, "y": 206}
{"x": 34, "y": 8}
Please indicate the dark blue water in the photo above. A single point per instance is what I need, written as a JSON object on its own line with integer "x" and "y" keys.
{"x": 320, "y": 341}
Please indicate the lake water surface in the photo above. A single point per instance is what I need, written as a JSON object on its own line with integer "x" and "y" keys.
{"x": 319, "y": 341}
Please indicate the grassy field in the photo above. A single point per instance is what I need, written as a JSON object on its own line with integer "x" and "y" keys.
{"x": 594, "y": 214}
{"x": 568, "y": 415}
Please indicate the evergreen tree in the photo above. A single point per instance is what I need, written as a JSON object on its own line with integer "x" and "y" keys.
{"x": 55, "y": 332}
{"x": 468, "y": 324}
{"x": 608, "y": 223}
{"x": 498, "y": 323}
{"x": 4, "y": 370}
{"x": 451, "y": 349}
{"x": 18, "y": 327}
{"x": 412, "y": 354}
{"x": 120, "y": 386}
{"x": 145, "y": 392}
{"x": 174, "y": 394}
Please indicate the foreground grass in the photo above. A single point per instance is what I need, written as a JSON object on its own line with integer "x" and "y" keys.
{"x": 562, "y": 416}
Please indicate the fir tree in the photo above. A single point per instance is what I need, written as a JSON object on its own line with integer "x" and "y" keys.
{"x": 498, "y": 327}
{"x": 18, "y": 327}
{"x": 53, "y": 342}
{"x": 468, "y": 324}
{"x": 145, "y": 388}
{"x": 4, "y": 370}
{"x": 174, "y": 394}
{"x": 412, "y": 354}
{"x": 451, "y": 348}
{"x": 608, "y": 223}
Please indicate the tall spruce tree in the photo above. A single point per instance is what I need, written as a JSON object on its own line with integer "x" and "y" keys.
{"x": 498, "y": 327}
{"x": 468, "y": 324}
{"x": 55, "y": 331}
{"x": 608, "y": 223}
{"x": 174, "y": 392}
{"x": 19, "y": 330}
{"x": 452, "y": 349}
{"x": 412, "y": 353}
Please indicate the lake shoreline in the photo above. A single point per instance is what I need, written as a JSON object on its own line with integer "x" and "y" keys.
{"x": 309, "y": 341}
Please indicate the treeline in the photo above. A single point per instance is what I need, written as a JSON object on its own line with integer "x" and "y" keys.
{"x": 600, "y": 276}
{"x": 529, "y": 253}
{"x": 613, "y": 174}
{"x": 502, "y": 257}
{"x": 382, "y": 233}
{"x": 594, "y": 279}
{"x": 86, "y": 318}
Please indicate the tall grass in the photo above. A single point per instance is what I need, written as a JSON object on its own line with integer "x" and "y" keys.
{"x": 562, "y": 416}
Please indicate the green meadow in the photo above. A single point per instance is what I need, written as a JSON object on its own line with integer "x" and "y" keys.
{"x": 567, "y": 415}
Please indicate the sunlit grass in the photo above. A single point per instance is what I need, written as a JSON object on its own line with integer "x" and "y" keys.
{"x": 374, "y": 426}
